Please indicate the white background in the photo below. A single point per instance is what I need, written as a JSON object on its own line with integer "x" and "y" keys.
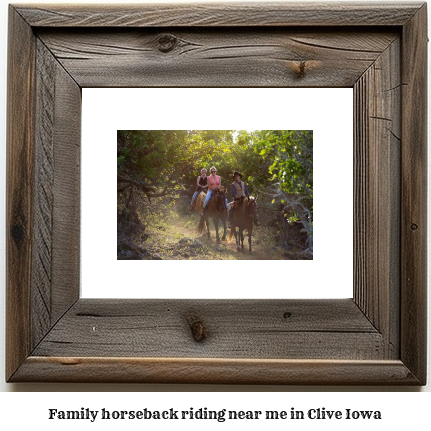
{"x": 402, "y": 408}
{"x": 330, "y": 116}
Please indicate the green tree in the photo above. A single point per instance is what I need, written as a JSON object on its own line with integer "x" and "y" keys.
{"x": 164, "y": 164}
{"x": 149, "y": 163}
{"x": 290, "y": 157}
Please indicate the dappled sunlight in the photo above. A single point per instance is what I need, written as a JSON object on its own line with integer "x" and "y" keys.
{"x": 158, "y": 172}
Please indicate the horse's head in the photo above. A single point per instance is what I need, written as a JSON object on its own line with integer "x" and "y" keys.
{"x": 252, "y": 208}
{"x": 220, "y": 198}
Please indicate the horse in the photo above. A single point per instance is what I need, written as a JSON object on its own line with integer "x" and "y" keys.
{"x": 244, "y": 215}
{"x": 215, "y": 210}
{"x": 199, "y": 202}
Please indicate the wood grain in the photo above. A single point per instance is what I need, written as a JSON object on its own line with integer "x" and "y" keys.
{"x": 215, "y": 371}
{"x": 235, "y": 329}
{"x": 55, "y": 278}
{"x": 66, "y": 190}
{"x": 377, "y": 101}
{"x": 215, "y": 58}
{"x": 44, "y": 196}
{"x": 377, "y": 338}
{"x": 220, "y": 15}
{"x": 414, "y": 195}
{"x": 20, "y": 198}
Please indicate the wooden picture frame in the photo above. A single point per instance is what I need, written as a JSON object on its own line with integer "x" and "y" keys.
{"x": 378, "y": 337}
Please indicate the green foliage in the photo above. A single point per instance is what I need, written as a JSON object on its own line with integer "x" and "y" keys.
{"x": 164, "y": 164}
{"x": 173, "y": 158}
{"x": 150, "y": 157}
{"x": 290, "y": 153}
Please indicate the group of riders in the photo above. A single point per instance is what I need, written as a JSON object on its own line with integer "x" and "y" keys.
{"x": 210, "y": 184}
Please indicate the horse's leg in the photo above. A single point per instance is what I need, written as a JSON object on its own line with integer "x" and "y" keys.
{"x": 241, "y": 234}
{"x": 216, "y": 228}
{"x": 224, "y": 229}
{"x": 237, "y": 239}
{"x": 249, "y": 239}
{"x": 208, "y": 226}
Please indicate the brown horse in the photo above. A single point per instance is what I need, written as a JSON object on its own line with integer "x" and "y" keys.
{"x": 244, "y": 216}
{"x": 199, "y": 202}
{"x": 215, "y": 210}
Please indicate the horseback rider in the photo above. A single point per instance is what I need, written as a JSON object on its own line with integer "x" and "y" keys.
{"x": 239, "y": 192}
{"x": 214, "y": 183}
{"x": 201, "y": 186}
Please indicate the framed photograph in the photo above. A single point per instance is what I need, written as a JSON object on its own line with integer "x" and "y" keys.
{"x": 154, "y": 234}
{"x": 376, "y": 337}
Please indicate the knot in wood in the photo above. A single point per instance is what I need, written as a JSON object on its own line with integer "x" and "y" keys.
{"x": 300, "y": 69}
{"x": 414, "y": 226}
{"x": 167, "y": 42}
{"x": 197, "y": 328}
{"x": 18, "y": 233}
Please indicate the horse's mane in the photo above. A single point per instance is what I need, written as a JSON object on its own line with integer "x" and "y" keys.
{"x": 248, "y": 201}
{"x": 245, "y": 203}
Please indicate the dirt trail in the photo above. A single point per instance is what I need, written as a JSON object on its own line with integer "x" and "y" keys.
{"x": 179, "y": 239}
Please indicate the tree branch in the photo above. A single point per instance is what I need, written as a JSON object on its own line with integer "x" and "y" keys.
{"x": 158, "y": 195}
{"x": 145, "y": 187}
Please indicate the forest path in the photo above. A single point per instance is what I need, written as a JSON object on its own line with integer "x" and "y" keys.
{"x": 179, "y": 240}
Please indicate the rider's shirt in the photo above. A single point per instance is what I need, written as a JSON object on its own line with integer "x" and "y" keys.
{"x": 202, "y": 181}
{"x": 214, "y": 182}
{"x": 239, "y": 189}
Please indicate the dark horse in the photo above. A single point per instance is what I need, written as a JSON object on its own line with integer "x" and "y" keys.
{"x": 215, "y": 210}
{"x": 244, "y": 215}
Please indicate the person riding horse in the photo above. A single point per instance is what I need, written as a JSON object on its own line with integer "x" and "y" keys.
{"x": 239, "y": 192}
{"x": 201, "y": 186}
{"x": 214, "y": 183}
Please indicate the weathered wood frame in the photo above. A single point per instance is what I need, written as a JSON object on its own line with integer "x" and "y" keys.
{"x": 378, "y": 337}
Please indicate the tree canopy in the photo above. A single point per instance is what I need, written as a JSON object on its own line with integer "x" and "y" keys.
{"x": 164, "y": 164}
